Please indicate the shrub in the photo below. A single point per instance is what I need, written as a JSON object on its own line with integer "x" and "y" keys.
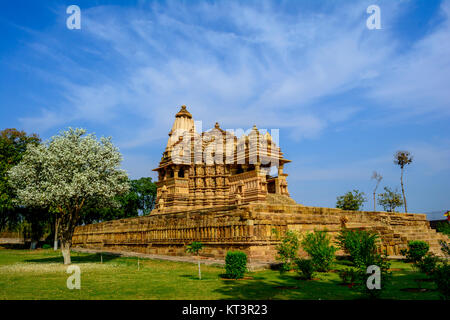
{"x": 348, "y": 275}
{"x": 287, "y": 250}
{"x": 445, "y": 247}
{"x": 235, "y": 264}
{"x": 443, "y": 227}
{"x": 363, "y": 250}
{"x": 194, "y": 248}
{"x": 428, "y": 263}
{"x": 46, "y": 246}
{"x": 390, "y": 199}
{"x": 351, "y": 200}
{"x": 385, "y": 276}
{"x": 416, "y": 250}
{"x": 359, "y": 244}
{"x": 305, "y": 268}
{"x": 318, "y": 246}
{"x": 441, "y": 277}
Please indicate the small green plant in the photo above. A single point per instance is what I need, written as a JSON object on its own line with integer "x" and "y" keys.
{"x": 352, "y": 200}
{"x": 417, "y": 249}
{"x": 428, "y": 263}
{"x": 390, "y": 199}
{"x": 46, "y": 246}
{"x": 348, "y": 275}
{"x": 363, "y": 249}
{"x": 195, "y": 248}
{"x": 287, "y": 250}
{"x": 441, "y": 277}
{"x": 443, "y": 227}
{"x": 374, "y": 259}
{"x": 235, "y": 264}
{"x": 305, "y": 268}
{"x": 318, "y": 246}
{"x": 445, "y": 247}
{"x": 361, "y": 245}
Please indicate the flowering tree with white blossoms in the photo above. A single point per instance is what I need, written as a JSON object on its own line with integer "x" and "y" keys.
{"x": 66, "y": 173}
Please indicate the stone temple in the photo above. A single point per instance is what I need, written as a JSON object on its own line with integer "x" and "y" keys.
{"x": 220, "y": 189}
{"x": 215, "y": 168}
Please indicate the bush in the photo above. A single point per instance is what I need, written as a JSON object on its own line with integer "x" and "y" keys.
{"x": 445, "y": 247}
{"x": 441, "y": 277}
{"x": 305, "y": 268}
{"x": 416, "y": 250}
{"x": 318, "y": 246}
{"x": 443, "y": 227}
{"x": 351, "y": 200}
{"x": 287, "y": 250}
{"x": 428, "y": 263}
{"x": 385, "y": 277}
{"x": 46, "y": 246}
{"x": 348, "y": 275}
{"x": 235, "y": 264}
{"x": 390, "y": 199}
{"x": 363, "y": 250}
{"x": 359, "y": 244}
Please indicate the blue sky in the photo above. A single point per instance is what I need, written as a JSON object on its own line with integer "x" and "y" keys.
{"x": 344, "y": 97}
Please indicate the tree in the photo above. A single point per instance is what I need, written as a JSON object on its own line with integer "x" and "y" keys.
{"x": 37, "y": 223}
{"x": 145, "y": 190}
{"x": 140, "y": 198}
{"x": 351, "y": 200}
{"x": 195, "y": 248}
{"x": 67, "y": 172}
{"x": 390, "y": 200}
{"x": 377, "y": 178}
{"x": 402, "y": 159}
{"x": 13, "y": 144}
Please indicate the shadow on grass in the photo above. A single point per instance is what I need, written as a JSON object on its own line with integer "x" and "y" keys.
{"x": 248, "y": 276}
{"x": 189, "y": 276}
{"x": 14, "y": 246}
{"x": 410, "y": 285}
{"x": 76, "y": 258}
{"x": 285, "y": 287}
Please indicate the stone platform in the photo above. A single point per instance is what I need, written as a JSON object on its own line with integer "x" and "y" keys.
{"x": 248, "y": 228}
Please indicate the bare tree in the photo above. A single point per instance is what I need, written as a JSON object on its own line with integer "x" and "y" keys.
{"x": 377, "y": 178}
{"x": 402, "y": 159}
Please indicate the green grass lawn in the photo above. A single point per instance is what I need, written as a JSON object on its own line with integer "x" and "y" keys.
{"x": 40, "y": 274}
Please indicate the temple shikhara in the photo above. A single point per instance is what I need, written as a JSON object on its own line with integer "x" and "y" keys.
{"x": 215, "y": 168}
{"x": 230, "y": 192}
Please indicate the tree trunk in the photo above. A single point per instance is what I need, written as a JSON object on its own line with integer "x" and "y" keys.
{"x": 374, "y": 201}
{"x": 55, "y": 243}
{"x": 199, "y": 271}
{"x": 66, "y": 225}
{"x": 403, "y": 192}
{"x": 33, "y": 244}
{"x": 65, "y": 249}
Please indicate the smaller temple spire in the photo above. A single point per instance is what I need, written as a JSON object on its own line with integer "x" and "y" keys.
{"x": 183, "y": 123}
{"x": 183, "y": 113}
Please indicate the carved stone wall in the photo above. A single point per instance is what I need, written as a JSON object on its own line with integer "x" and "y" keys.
{"x": 248, "y": 228}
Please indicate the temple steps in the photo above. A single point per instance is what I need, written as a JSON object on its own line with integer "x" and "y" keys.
{"x": 274, "y": 198}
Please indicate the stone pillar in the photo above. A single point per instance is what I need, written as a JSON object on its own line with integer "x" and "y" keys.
{"x": 280, "y": 170}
